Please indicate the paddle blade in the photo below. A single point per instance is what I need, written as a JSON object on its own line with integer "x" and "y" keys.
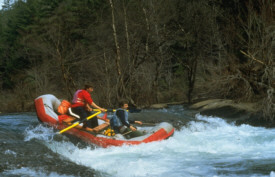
{"x": 104, "y": 117}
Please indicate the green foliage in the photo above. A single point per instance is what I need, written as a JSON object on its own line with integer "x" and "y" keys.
{"x": 173, "y": 48}
{"x": 13, "y": 24}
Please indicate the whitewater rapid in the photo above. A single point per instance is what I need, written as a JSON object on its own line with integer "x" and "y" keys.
{"x": 206, "y": 146}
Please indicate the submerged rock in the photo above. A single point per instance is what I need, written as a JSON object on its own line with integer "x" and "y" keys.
{"x": 164, "y": 105}
{"x": 159, "y": 106}
{"x": 214, "y": 104}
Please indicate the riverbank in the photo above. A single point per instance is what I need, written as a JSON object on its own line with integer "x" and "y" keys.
{"x": 240, "y": 112}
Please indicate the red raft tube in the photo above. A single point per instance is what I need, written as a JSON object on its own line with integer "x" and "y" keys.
{"x": 46, "y": 110}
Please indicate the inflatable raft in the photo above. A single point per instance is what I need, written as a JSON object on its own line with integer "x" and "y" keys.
{"x": 46, "y": 109}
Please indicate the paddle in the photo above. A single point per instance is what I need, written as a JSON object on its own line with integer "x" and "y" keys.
{"x": 104, "y": 118}
{"x": 147, "y": 124}
{"x": 79, "y": 122}
{"x": 127, "y": 132}
{"x": 132, "y": 110}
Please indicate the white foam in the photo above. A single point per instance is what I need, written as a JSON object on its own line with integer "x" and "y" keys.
{"x": 201, "y": 148}
{"x": 39, "y": 132}
{"x": 10, "y": 152}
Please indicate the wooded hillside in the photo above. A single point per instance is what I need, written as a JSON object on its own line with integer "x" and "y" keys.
{"x": 146, "y": 51}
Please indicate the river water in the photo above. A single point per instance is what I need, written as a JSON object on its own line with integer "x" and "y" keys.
{"x": 201, "y": 146}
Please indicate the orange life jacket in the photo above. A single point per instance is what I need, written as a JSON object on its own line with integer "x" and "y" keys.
{"x": 63, "y": 107}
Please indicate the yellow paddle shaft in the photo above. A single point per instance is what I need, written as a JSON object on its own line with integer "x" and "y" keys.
{"x": 77, "y": 123}
{"x": 110, "y": 110}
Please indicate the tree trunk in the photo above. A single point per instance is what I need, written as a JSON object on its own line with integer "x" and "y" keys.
{"x": 120, "y": 87}
{"x": 191, "y": 79}
{"x": 129, "y": 84}
{"x": 116, "y": 41}
{"x": 158, "y": 59}
{"x": 108, "y": 84}
{"x": 67, "y": 79}
{"x": 148, "y": 29}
